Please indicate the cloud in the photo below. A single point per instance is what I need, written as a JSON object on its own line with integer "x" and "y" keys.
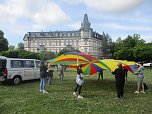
{"x": 74, "y": 2}
{"x": 125, "y": 27}
{"x": 147, "y": 38}
{"x": 11, "y": 10}
{"x": 74, "y": 26}
{"x": 40, "y": 12}
{"x": 114, "y": 6}
{"x": 18, "y": 17}
{"x": 110, "y": 6}
{"x": 49, "y": 14}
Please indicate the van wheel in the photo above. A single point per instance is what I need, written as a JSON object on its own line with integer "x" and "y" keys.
{"x": 16, "y": 80}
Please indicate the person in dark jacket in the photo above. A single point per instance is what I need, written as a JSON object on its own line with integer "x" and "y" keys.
{"x": 120, "y": 80}
{"x": 100, "y": 75}
{"x": 43, "y": 76}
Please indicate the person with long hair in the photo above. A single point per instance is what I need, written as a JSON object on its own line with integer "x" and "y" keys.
{"x": 79, "y": 82}
{"x": 43, "y": 76}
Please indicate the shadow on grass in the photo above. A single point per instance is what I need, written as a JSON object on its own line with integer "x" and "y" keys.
{"x": 22, "y": 83}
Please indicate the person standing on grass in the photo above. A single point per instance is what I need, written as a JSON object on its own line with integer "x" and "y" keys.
{"x": 120, "y": 80}
{"x": 43, "y": 76}
{"x": 100, "y": 75}
{"x": 61, "y": 72}
{"x": 50, "y": 73}
{"x": 140, "y": 78}
{"x": 79, "y": 81}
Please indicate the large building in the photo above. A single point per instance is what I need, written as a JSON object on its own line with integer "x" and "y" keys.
{"x": 85, "y": 39}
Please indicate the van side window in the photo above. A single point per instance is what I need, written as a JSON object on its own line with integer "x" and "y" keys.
{"x": 37, "y": 64}
{"x": 16, "y": 64}
{"x": 22, "y": 63}
{"x": 28, "y": 63}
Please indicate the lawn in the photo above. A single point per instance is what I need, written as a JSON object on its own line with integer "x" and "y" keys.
{"x": 98, "y": 97}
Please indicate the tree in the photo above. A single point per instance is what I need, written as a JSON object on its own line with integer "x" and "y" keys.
{"x": 124, "y": 49}
{"x": 132, "y": 41}
{"x": 3, "y": 42}
{"x": 11, "y": 47}
{"x": 143, "y": 52}
{"x": 118, "y": 44}
{"x": 107, "y": 46}
{"x": 20, "y": 46}
{"x": 104, "y": 45}
{"x": 47, "y": 55}
{"x": 20, "y": 54}
{"x": 69, "y": 48}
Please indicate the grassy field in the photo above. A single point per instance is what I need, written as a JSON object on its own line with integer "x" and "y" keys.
{"x": 98, "y": 97}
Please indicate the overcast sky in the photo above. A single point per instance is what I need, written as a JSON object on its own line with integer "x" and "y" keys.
{"x": 118, "y": 18}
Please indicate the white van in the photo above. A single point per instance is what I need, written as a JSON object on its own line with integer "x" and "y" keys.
{"x": 17, "y": 70}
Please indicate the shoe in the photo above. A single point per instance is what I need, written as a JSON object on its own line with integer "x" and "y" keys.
{"x": 142, "y": 91}
{"x": 41, "y": 90}
{"x": 80, "y": 97}
{"x": 74, "y": 94}
{"x": 45, "y": 92}
{"x": 136, "y": 92}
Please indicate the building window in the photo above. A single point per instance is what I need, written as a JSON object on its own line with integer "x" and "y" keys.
{"x": 68, "y": 42}
{"x": 73, "y": 42}
{"x": 69, "y": 34}
{"x": 77, "y": 43}
{"x": 60, "y": 34}
{"x": 65, "y": 35}
{"x": 56, "y": 43}
{"x": 64, "y": 42}
{"x": 85, "y": 49}
{"x": 42, "y": 48}
{"x": 85, "y": 43}
{"x": 60, "y": 43}
{"x": 73, "y": 34}
{"x": 56, "y": 34}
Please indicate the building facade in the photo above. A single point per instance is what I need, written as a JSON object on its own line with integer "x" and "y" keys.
{"x": 85, "y": 40}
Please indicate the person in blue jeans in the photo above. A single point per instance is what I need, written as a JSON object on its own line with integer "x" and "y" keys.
{"x": 43, "y": 76}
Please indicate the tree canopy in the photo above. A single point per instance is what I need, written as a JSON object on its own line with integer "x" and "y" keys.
{"x": 20, "y": 46}
{"x": 3, "y": 42}
{"x": 67, "y": 49}
{"x": 133, "y": 48}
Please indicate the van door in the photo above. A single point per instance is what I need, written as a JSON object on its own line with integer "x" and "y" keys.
{"x": 29, "y": 69}
{"x": 2, "y": 67}
{"x": 37, "y": 69}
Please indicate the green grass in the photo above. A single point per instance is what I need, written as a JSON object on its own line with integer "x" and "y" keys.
{"x": 98, "y": 97}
